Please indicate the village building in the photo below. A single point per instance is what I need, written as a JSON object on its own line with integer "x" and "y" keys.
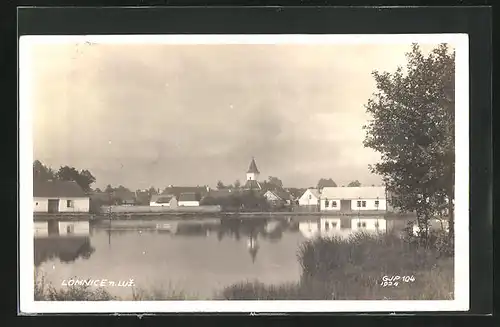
{"x": 310, "y": 197}
{"x": 253, "y": 174}
{"x": 158, "y": 200}
{"x": 348, "y": 199}
{"x": 59, "y": 196}
{"x": 189, "y": 199}
{"x": 278, "y": 197}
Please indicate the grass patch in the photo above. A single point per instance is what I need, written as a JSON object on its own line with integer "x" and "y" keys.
{"x": 45, "y": 291}
{"x": 353, "y": 269}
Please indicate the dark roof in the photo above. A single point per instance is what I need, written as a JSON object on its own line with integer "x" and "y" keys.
{"x": 220, "y": 193}
{"x": 56, "y": 188}
{"x": 161, "y": 198}
{"x": 253, "y": 167}
{"x": 190, "y": 197}
{"x": 252, "y": 185}
{"x": 283, "y": 195}
{"x": 178, "y": 190}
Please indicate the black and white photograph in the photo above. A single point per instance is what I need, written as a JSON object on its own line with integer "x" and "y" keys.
{"x": 272, "y": 173}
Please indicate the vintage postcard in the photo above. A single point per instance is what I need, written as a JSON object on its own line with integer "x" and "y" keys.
{"x": 244, "y": 173}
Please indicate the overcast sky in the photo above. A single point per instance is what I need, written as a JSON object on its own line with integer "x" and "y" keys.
{"x": 143, "y": 115}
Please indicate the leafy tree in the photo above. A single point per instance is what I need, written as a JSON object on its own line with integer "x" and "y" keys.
{"x": 237, "y": 184}
{"x": 220, "y": 185}
{"x": 323, "y": 182}
{"x": 355, "y": 183}
{"x": 98, "y": 190}
{"x": 42, "y": 172}
{"x": 412, "y": 127}
{"x": 152, "y": 191}
{"x": 109, "y": 189}
{"x": 83, "y": 178}
{"x": 275, "y": 182}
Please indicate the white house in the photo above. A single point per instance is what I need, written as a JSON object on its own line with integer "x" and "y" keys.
{"x": 310, "y": 197}
{"x": 163, "y": 201}
{"x": 189, "y": 200}
{"x": 353, "y": 199}
{"x": 278, "y": 197}
{"x": 59, "y": 196}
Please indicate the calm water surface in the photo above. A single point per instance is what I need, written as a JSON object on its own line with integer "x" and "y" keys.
{"x": 198, "y": 257}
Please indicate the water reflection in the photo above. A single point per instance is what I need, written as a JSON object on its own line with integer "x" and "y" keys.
{"x": 66, "y": 241}
{"x": 198, "y": 256}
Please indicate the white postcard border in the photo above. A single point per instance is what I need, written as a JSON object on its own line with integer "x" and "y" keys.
{"x": 26, "y": 286}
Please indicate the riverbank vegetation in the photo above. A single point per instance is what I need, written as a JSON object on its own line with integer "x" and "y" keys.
{"x": 332, "y": 269}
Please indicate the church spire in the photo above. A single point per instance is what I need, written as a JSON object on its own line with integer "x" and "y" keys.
{"x": 252, "y": 169}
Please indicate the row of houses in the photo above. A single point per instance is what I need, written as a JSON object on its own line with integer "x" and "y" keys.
{"x": 345, "y": 199}
{"x": 67, "y": 196}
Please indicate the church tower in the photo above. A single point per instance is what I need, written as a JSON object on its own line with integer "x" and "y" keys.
{"x": 253, "y": 172}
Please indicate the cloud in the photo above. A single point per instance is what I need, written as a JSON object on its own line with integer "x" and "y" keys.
{"x": 142, "y": 115}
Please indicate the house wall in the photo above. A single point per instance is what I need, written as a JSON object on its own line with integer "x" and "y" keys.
{"x": 330, "y": 207}
{"x": 189, "y": 203}
{"x": 78, "y": 204}
{"x": 74, "y": 228}
{"x": 370, "y": 205}
{"x": 40, "y": 204}
{"x": 171, "y": 204}
{"x": 305, "y": 201}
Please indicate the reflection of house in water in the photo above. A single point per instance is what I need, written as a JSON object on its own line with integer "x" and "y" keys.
{"x": 67, "y": 241}
{"x": 341, "y": 227}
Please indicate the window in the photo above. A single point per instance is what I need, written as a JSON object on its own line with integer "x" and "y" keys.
{"x": 334, "y": 204}
{"x": 377, "y": 224}
{"x": 69, "y": 204}
{"x": 36, "y": 203}
{"x": 310, "y": 197}
{"x": 70, "y": 229}
{"x": 327, "y": 203}
{"x": 359, "y": 204}
{"x": 334, "y": 225}
{"x": 359, "y": 224}
{"x": 376, "y": 203}
{"x": 363, "y": 203}
{"x": 363, "y": 224}
{"x": 327, "y": 226}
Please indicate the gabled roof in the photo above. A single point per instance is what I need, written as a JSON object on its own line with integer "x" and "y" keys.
{"x": 216, "y": 194}
{"x": 313, "y": 191}
{"x": 178, "y": 190}
{"x": 351, "y": 193}
{"x": 253, "y": 167}
{"x": 283, "y": 195}
{"x": 189, "y": 197}
{"x": 161, "y": 198}
{"x": 56, "y": 189}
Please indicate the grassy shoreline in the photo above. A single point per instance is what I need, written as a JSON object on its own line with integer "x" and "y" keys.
{"x": 332, "y": 269}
